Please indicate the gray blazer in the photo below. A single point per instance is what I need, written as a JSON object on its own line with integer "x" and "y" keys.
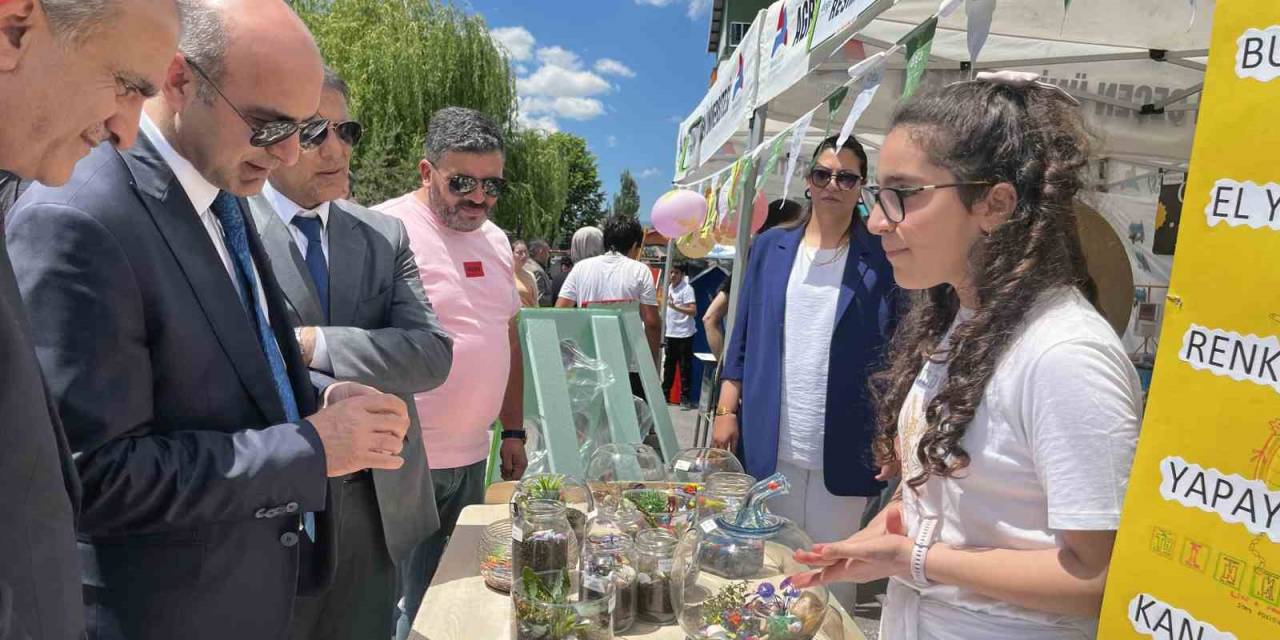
{"x": 382, "y": 331}
{"x": 194, "y": 483}
{"x": 39, "y": 490}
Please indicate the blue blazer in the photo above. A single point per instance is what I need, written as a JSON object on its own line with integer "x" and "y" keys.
{"x": 865, "y": 319}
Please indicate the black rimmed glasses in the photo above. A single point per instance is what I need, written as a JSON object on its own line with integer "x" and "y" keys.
{"x": 892, "y": 200}
{"x": 350, "y": 132}
{"x": 462, "y": 184}
{"x": 275, "y": 132}
{"x": 821, "y": 176}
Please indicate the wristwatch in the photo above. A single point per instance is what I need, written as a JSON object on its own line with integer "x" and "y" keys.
{"x": 725, "y": 411}
{"x": 513, "y": 433}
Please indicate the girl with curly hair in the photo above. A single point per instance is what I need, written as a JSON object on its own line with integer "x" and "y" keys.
{"x": 1007, "y": 403}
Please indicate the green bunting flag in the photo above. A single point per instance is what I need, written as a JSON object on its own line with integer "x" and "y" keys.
{"x": 918, "y": 43}
{"x": 833, "y": 105}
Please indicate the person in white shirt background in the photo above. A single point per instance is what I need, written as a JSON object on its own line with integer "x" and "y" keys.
{"x": 617, "y": 276}
{"x": 680, "y": 329}
{"x": 1007, "y": 403}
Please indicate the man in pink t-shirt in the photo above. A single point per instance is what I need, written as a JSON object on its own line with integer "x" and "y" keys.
{"x": 466, "y": 266}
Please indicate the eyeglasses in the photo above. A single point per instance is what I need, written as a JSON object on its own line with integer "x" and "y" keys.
{"x": 349, "y": 132}
{"x": 892, "y": 200}
{"x": 461, "y": 185}
{"x": 271, "y": 133}
{"x": 845, "y": 180}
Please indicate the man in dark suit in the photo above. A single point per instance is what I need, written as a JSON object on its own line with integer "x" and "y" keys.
{"x": 72, "y": 73}
{"x": 165, "y": 342}
{"x": 361, "y": 314}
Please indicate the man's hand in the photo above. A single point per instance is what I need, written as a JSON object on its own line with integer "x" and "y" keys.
{"x": 360, "y": 429}
{"x": 514, "y": 460}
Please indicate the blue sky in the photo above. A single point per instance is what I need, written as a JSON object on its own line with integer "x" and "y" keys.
{"x": 620, "y": 73}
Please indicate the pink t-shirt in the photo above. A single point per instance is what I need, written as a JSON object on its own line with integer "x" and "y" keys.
{"x": 470, "y": 280}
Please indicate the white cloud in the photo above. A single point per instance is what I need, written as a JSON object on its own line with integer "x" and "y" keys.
{"x": 696, "y": 9}
{"x": 559, "y": 57}
{"x": 648, "y": 173}
{"x": 521, "y": 70}
{"x": 516, "y": 40}
{"x": 554, "y": 81}
{"x": 609, "y": 66}
{"x": 612, "y": 141}
{"x": 542, "y": 123}
{"x": 564, "y": 106}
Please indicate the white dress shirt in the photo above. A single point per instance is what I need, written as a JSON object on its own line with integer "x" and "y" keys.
{"x": 201, "y": 194}
{"x": 287, "y": 210}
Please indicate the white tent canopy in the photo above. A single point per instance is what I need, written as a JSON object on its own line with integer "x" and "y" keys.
{"x": 1118, "y": 58}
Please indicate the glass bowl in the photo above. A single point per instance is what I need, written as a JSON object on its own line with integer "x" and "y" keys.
{"x": 695, "y": 464}
{"x": 557, "y": 605}
{"x": 494, "y": 555}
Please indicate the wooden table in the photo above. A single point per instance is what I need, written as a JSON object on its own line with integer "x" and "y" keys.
{"x": 458, "y": 605}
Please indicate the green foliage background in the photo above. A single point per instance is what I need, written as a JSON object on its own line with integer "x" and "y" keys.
{"x": 404, "y": 59}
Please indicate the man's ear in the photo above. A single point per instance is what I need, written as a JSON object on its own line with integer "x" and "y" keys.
{"x": 996, "y": 207}
{"x": 180, "y": 86}
{"x": 424, "y": 170}
{"x": 20, "y": 21}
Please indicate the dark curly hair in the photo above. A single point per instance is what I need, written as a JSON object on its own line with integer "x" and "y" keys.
{"x": 1034, "y": 139}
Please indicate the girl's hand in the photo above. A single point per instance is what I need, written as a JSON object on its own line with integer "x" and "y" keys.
{"x": 865, "y": 556}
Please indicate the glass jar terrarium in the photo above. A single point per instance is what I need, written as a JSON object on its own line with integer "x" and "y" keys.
{"x": 696, "y": 464}
{"x": 580, "y": 505}
{"x": 542, "y": 539}
{"x": 611, "y": 558}
{"x": 730, "y": 576}
{"x": 723, "y": 492}
{"x": 553, "y": 605}
{"x": 494, "y": 555}
{"x": 655, "y": 552}
{"x": 619, "y": 466}
{"x": 620, "y": 519}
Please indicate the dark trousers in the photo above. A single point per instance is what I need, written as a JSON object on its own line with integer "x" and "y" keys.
{"x": 355, "y": 606}
{"x": 679, "y": 351}
{"x": 455, "y": 489}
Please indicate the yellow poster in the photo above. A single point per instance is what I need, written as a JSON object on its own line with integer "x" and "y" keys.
{"x": 1198, "y": 554}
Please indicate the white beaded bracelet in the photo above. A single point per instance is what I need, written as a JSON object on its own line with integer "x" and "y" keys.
{"x": 920, "y": 550}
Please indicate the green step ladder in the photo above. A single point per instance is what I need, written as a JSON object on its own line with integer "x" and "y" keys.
{"x": 612, "y": 334}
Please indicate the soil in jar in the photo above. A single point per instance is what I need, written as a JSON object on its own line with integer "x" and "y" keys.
{"x": 544, "y": 551}
{"x": 653, "y": 599}
{"x": 624, "y": 588}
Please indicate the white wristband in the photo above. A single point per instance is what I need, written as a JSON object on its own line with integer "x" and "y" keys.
{"x": 920, "y": 550}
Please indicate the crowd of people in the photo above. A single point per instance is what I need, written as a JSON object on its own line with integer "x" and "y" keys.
{"x": 238, "y": 404}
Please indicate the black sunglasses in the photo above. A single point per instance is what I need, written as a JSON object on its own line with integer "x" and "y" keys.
{"x": 845, "y": 180}
{"x": 461, "y": 185}
{"x": 893, "y": 200}
{"x": 272, "y": 133}
{"x": 349, "y": 132}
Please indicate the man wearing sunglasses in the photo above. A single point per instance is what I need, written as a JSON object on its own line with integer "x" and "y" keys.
{"x": 362, "y": 315}
{"x": 466, "y": 266}
{"x": 166, "y": 344}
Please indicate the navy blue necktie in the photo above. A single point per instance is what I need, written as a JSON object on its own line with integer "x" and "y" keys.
{"x": 313, "y": 229}
{"x": 227, "y": 209}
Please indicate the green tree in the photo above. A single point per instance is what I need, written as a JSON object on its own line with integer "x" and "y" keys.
{"x": 627, "y": 200}
{"x": 406, "y": 59}
{"x": 585, "y": 202}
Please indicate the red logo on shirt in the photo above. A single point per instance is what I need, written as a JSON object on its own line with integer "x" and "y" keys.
{"x": 473, "y": 269}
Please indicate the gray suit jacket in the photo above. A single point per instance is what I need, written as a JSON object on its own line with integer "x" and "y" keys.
{"x": 382, "y": 331}
{"x": 39, "y": 490}
{"x": 194, "y": 482}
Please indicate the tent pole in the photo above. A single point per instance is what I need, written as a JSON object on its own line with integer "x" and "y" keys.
{"x": 741, "y": 246}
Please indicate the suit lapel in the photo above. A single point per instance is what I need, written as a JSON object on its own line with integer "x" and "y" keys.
{"x": 855, "y": 270}
{"x": 346, "y": 266}
{"x": 185, "y": 234}
{"x": 287, "y": 263}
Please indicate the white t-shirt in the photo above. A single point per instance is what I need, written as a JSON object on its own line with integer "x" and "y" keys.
{"x": 609, "y": 278}
{"x": 813, "y": 296}
{"x": 680, "y": 325}
{"x": 1050, "y": 447}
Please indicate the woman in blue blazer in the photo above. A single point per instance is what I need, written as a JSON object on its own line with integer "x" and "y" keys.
{"x": 815, "y": 314}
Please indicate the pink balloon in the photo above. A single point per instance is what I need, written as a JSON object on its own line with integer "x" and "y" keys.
{"x": 678, "y": 212}
{"x": 759, "y": 211}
